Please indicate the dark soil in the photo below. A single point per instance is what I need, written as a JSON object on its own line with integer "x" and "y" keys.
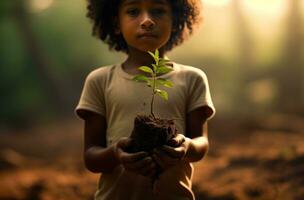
{"x": 149, "y": 133}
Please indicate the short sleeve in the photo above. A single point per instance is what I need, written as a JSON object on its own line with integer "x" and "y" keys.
{"x": 92, "y": 96}
{"x": 199, "y": 92}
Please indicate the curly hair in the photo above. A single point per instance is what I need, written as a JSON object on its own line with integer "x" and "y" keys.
{"x": 102, "y": 13}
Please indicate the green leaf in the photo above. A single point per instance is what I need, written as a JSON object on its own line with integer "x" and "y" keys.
{"x": 164, "y": 82}
{"x": 154, "y": 67}
{"x": 163, "y": 61}
{"x": 156, "y": 53}
{"x": 155, "y": 56}
{"x": 163, "y": 70}
{"x": 140, "y": 78}
{"x": 163, "y": 94}
{"x": 146, "y": 69}
{"x": 152, "y": 54}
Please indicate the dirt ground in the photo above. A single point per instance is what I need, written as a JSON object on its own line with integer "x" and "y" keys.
{"x": 249, "y": 158}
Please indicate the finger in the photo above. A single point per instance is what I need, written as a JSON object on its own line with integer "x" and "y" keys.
{"x": 124, "y": 143}
{"x": 149, "y": 170}
{"x": 159, "y": 161}
{"x": 140, "y": 164}
{"x": 165, "y": 160}
{"x": 160, "y": 152}
{"x": 177, "y": 152}
{"x": 177, "y": 140}
{"x": 132, "y": 157}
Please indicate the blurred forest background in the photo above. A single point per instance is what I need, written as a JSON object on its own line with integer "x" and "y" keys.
{"x": 251, "y": 50}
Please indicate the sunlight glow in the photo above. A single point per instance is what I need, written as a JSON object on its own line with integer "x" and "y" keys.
{"x": 40, "y": 5}
{"x": 216, "y": 2}
{"x": 273, "y": 8}
{"x": 264, "y": 7}
{"x": 263, "y": 91}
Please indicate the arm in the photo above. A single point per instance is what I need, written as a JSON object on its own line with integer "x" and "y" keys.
{"x": 100, "y": 158}
{"x": 197, "y": 134}
{"x": 97, "y": 157}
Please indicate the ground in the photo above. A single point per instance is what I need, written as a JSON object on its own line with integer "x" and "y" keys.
{"x": 249, "y": 158}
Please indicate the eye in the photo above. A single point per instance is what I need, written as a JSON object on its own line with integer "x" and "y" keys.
{"x": 158, "y": 12}
{"x": 132, "y": 12}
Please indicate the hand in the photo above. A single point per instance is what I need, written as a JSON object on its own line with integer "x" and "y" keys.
{"x": 139, "y": 163}
{"x": 167, "y": 156}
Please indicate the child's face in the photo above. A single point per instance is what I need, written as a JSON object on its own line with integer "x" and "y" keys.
{"x": 145, "y": 24}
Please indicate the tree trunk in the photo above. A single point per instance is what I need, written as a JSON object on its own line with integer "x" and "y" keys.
{"x": 245, "y": 59}
{"x": 291, "y": 74}
{"x": 55, "y": 89}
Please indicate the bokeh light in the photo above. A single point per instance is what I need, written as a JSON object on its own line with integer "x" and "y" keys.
{"x": 40, "y": 5}
{"x": 269, "y": 8}
{"x": 216, "y": 2}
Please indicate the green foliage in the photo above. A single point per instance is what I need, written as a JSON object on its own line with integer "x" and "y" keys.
{"x": 6, "y": 7}
{"x": 157, "y": 69}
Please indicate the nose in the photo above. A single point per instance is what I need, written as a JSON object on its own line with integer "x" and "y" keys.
{"x": 147, "y": 22}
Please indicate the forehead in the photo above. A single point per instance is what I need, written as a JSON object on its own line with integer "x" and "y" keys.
{"x": 130, "y": 2}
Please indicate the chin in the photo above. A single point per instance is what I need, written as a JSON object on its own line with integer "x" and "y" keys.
{"x": 152, "y": 49}
{"x": 146, "y": 48}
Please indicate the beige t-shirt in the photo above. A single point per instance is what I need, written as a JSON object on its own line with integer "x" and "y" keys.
{"x": 111, "y": 92}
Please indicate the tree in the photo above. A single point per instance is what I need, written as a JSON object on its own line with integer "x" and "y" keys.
{"x": 290, "y": 76}
{"x": 57, "y": 91}
{"x": 245, "y": 56}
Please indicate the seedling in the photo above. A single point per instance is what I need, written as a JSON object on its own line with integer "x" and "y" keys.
{"x": 157, "y": 68}
{"x": 150, "y": 132}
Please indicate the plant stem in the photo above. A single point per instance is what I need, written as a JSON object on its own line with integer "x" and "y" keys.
{"x": 153, "y": 94}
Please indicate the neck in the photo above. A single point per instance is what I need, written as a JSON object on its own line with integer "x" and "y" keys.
{"x": 138, "y": 58}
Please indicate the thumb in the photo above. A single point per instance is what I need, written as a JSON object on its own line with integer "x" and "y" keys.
{"x": 125, "y": 143}
{"x": 177, "y": 140}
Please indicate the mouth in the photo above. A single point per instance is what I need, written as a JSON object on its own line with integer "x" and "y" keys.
{"x": 147, "y": 35}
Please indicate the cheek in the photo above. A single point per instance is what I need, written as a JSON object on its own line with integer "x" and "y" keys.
{"x": 125, "y": 27}
{"x": 167, "y": 29}
{"x": 167, "y": 24}
{"x": 130, "y": 25}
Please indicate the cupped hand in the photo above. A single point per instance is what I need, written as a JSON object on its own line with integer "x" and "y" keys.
{"x": 170, "y": 155}
{"x": 139, "y": 162}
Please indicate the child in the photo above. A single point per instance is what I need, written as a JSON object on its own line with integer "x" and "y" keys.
{"x": 110, "y": 101}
